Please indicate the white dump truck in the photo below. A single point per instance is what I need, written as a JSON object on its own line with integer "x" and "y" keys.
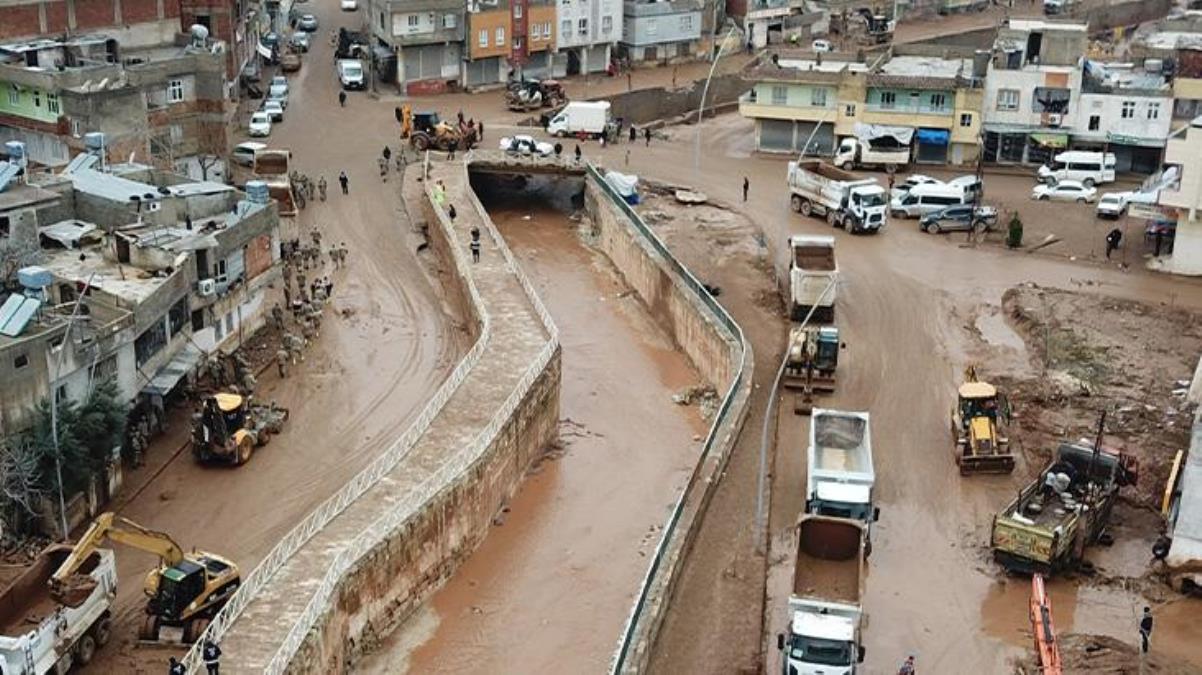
{"x": 824, "y": 610}
{"x": 39, "y": 634}
{"x": 812, "y": 277}
{"x": 854, "y": 153}
{"x": 855, "y": 204}
{"x": 839, "y": 474}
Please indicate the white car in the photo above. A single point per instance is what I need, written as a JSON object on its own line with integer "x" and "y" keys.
{"x": 911, "y": 181}
{"x": 244, "y": 153}
{"x": 274, "y": 110}
{"x": 1112, "y": 205}
{"x": 822, "y": 46}
{"x": 1065, "y": 191}
{"x": 526, "y": 145}
{"x": 260, "y": 124}
{"x": 348, "y": 5}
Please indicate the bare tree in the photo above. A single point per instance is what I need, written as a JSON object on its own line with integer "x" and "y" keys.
{"x": 20, "y": 481}
{"x": 15, "y": 254}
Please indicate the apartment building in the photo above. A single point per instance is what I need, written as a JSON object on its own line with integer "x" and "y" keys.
{"x": 589, "y": 33}
{"x": 509, "y": 38}
{"x": 804, "y": 105}
{"x": 428, "y": 38}
{"x": 662, "y": 32}
{"x": 1184, "y": 199}
{"x": 1125, "y": 110}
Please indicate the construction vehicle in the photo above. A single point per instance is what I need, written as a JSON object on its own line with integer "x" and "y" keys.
{"x": 38, "y": 633}
{"x": 1047, "y": 648}
{"x": 274, "y": 167}
{"x": 824, "y": 609}
{"x": 839, "y": 471}
{"x": 979, "y": 411}
{"x": 1053, "y": 520}
{"x": 812, "y": 272}
{"x": 1180, "y": 546}
{"x": 534, "y": 94}
{"x": 229, "y": 427}
{"x": 424, "y": 131}
{"x": 810, "y": 363}
{"x": 855, "y": 204}
{"x": 184, "y": 591}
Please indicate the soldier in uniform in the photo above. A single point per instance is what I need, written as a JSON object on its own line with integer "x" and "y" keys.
{"x": 277, "y": 315}
{"x": 249, "y": 382}
{"x": 281, "y": 362}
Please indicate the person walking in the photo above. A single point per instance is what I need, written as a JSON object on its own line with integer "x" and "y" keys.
{"x": 475, "y": 246}
{"x": 344, "y": 181}
{"x": 387, "y": 153}
{"x": 634, "y": 133}
{"x": 578, "y": 153}
{"x": 558, "y": 148}
{"x": 342, "y": 99}
{"x": 480, "y": 131}
{"x": 1145, "y": 631}
{"x": 383, "y": 168}
{"x": 647, "y": 135}
{"x": 907, "y": 667}
{"x": 451, "y": 213}
{"x": 281, "y": 362}
{"x": 451, "y": 149}
{"x": 321, "y": 188}
{"x": 175, "y": 667}
{"x": 1113, "y": 239}
{"x": 746, "y": 187}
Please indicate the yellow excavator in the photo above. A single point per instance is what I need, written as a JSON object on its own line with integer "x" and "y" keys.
{"x": 184, "y": 591}
{"x": 980, "y": 411}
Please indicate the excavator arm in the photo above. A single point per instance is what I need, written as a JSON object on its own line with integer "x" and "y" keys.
{"x": 122, "y": 531}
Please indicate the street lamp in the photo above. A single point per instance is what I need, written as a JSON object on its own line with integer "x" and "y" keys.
{"x": 704, "y": 91}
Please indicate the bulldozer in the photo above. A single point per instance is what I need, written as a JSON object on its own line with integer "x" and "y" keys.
{"x": 810, "y": 364}
{"x": 529, "y": 95}
{"x": 229, "y": 427}
{"x": 979, "y": 412}
{"x": 184, "y": 591}
{"x": 425, "y": 131}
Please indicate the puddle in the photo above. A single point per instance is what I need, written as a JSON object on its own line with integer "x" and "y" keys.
{"x": 997, "y": 332}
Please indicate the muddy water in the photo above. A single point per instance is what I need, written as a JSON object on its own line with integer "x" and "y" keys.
{"x": 550, "y": 588}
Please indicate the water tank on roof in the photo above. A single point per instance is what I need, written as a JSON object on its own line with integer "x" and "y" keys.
{"x": 94, "y": 141}
{"x": 256, "y": 192}
{"x": 200, "y": 35}
{"x": 15, "y": 151}
{"x": 34, "y": 278}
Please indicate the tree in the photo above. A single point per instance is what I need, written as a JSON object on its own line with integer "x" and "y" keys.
{"x": 20, "y": 482}
{"x": 87, "y": 433}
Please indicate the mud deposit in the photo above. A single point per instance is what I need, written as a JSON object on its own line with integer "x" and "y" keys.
{"x": 550, "y": 588}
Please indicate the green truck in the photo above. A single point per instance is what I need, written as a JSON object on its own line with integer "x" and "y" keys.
{"x": 1058, "y": 515}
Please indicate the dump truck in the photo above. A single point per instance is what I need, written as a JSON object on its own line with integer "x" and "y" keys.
{"x": 812, "y": 277}
{"x": 820, "y": 189}
{"x": 40, "y": 634}
{"x": 183, "y": 591}
{"x": 229, "y": 427}
{"x": 274, "y": 167}
{"x": 1181, "y": 545}
{"x": 1051, "y": 522}
{"x": 839, "y": 472}
{"x": 978, "y": 419}
{"x": 824, "y": 609}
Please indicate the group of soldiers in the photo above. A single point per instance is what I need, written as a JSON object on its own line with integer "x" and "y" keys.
{"x": 243, "y": 380}
{"x": 306, "y": 302}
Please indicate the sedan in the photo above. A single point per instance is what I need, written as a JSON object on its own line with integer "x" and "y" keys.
{"x": 822, "y": 46}
{"x": 1065, "y": 190}
{"x": 348, "y": 5}
{"x": 274, "y": 110}
{"x": 526, "y": 145}
{"x": 280, "y": 83}
{"x": 959, "y": 218}
{"x": 300, "y": 41}
{"x": 1112, "y": 205}
{"x": 308, "y": 22}
{"x": 260, "y": 124}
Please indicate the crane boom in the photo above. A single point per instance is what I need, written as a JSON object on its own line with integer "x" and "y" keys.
{"x": 122, "y": 531}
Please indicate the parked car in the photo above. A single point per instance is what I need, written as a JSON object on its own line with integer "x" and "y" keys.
{"x": 274, "y": 109}
{"x": 1111, "y": 205}
{"x": 280, "y": 82}
{"x": 912, "y": 181}
{"x": 307, "y": 22}
{"x": 244, "y": 153}
{"x": 959, "y": 219}
{"x": 290, "y": 62}
{"x": 822, "y": 46}
{"x": 348, "y": 5}
{"x": 1066, "y": 190}
{"x": 971, "y": 185}
{"x": 260, "y": 124}
{"x": 526, "y": 145}
{"x": 300, "y": 41}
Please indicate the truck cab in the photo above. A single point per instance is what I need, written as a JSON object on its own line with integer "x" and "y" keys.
{"x": 820, "y": 643}
{"x": 866, "y": 205}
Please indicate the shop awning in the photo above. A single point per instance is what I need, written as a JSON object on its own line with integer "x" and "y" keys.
{"x": 1051, "y": 140}
{"x": 169, "y": 375}
{"x": 869, "y": 133}
{"x": 934, "y": 136}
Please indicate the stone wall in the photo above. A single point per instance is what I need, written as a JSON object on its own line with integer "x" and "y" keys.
{"x": 660, "y": 103}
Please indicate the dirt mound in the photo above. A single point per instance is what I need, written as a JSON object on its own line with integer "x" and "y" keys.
{"x": 1102, "y": 655}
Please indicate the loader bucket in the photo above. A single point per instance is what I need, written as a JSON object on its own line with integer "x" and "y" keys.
{"x": 972, "y": 464}
{"x": 803, "y": 404}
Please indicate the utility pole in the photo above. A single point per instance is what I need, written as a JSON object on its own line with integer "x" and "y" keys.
{"x": 58, "y": 364}
{"x": 704, "y": 91}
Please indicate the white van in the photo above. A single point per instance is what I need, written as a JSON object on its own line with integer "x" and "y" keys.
{"x": 970, "y": 184}
{"x": 1090, "y": 168}
{"x": 350, "y": 74}
{"x": 928, "y": 198}
{"x": 244, "y": 153}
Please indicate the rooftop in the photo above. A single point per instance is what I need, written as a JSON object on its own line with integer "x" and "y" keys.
{"x": 1031, "y": 25}
{"x": 119, "y": 280}
{"x": 1107, "y": 77}
{"x": 1173, "y": 40}
{"x": 927, "y": 66}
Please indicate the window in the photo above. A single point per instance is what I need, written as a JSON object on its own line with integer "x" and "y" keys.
{"x": 20, "y": 361}
{"x": 150, "y": 342}
{"x": 1128, "y": 110}
{"x": 818, "y": 98}
{"x": 938, "y": 101}
{"x": 484, "y": 38}
{"x": 175, "y": 91}
{"x": 607, "y": 24}
{"x": 651, "y": 27}
{"x": 14, "y": 95}
{"x": 53, "y": 105}
{"x": 500, "y": 37}
{"x": 221, "y": 277}
{"x": 1008, "y": 99}
{"x": 449, "y": 21}
{"x": 565, "y": 28}
{"x": 176, "y": 132}
{"x": 966, "y": 119}
{"x": 780, "y": 94}
{"x": 888, "y": 100}
{"x": 6, "y": 230}
{"x": 178, "y": 315}
{"x": 1050, "y": 100}
{"x": 547, "y": 30}
{"x": 1153, "y": 110}
{"x": 229, "y": 322}
{"x": 411, "y": 21}
{"x": 686, "y": 22}
{"x": 582, "y": 25}
{"x": 1095, "y": 122}
{"x": 849, "y": 110}
{"x": 517, "y": 11}
{"x": 76, "y": 128}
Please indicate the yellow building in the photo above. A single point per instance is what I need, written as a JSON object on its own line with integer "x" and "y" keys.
{"x": 800, "y": 102}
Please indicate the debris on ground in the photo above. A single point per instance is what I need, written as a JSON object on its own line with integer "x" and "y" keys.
{"x": 1082, "y": 654}
{"x": 691, "y": 197}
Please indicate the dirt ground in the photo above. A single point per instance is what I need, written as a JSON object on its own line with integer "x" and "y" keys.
{"x": 1100, "y": 655}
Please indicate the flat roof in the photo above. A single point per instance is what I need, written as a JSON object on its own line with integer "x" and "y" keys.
{"x": 927, "y": 66}
{"x": 825, "y": 66}
{"x": 1040, "y": 24}
{"x": 121, "y": 280}
{"x": 23, "y": 195}
{"x": 1170, "y": 39}
{"x": 113, "y": 187}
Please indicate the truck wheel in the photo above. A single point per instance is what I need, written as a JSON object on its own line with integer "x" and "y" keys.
{"x": 795, "y": 203}
{"x": 85, "y": 649}
{"x": 245, "y": 448}
{"x": 150, "y": 629}
{"x": 421, "y": 142}
{"x": 807, "y": 209}
{"x": 832, "y": 218}
{"x": 103, "y": 631}
{"x": 846, "y": 166}
{"x": 849, "y": 223}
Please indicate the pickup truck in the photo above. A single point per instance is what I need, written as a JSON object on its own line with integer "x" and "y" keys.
{"x": 824, "y": 609}
{"x": 855, "y": 204}
{"x": 812, "y": 275}
{"x": 1058, "y": 515}
{"x": 839, "y": 473}
{"x": 39, "y": 635}
{"x": 854, "y": 153}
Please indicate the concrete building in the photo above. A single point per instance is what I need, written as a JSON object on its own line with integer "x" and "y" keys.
{"x": 132, "y": 23}
{"x": 589, "y": 33}
{"x": 661, "y": 32}
{"x": 233, "y": 23}
{"x": 166, "y": 105}
{"x": 508, "y": 36}
{"x": 1124, "y": 110}
{"x": 772, "y": 21}
{"x": 798, "y": 101}
{"x": 1033, "y": 90}
{"x": 428, "y": 38}
{"x": 1184, "y": 201}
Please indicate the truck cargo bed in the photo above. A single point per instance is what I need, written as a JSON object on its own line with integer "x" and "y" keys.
{"x": 839, "y": 442}
{"x": 829, "y": 560}
{"x": 26, "y": 602}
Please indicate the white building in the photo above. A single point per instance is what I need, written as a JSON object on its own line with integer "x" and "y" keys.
{"x": 1184, "y": 150}
{"x": 1126, "y": 111}
{"x": 589, "y": 30}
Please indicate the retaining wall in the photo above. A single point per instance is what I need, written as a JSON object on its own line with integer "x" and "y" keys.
{"x": 659, "y": 103}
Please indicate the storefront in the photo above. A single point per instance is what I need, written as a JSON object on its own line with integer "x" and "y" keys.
{"x": 793, "y": 136}
{"x": 1021, "y": 147}
{"x": 932, "y": 146}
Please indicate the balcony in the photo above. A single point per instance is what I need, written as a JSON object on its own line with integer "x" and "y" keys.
{"x": 766, "y": 107}
{"x": 909, "y": 109}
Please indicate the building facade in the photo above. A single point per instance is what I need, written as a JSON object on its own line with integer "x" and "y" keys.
{"x": 802, "y": 105}
{"x": 662, "y": 32}
{"x": 1184, "y": 150}
{"x": 1127, "y": 112}
{"x": 427, "y": 37}
{"x": 589, "y": 33}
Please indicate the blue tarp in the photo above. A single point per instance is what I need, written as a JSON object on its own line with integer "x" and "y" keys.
{"x": 933, "y": 136}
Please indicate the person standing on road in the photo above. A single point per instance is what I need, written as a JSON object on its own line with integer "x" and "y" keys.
{"x": 475, "y": 246}
{"x": 383, "y": 168}
{"x": 344, "y": 182}
{"x": 281, "y": 362}
{"x": 558, "y": 148}
{"x": 175, "y": 667}
{"x": 647, "y": 135}
{"x": 451, "y": 149}
{"x": 480, "y": 131}
{"x": 1145, "y": 631}
{"x": 387, "y": 153}
{"x": 578, "y": 153}
{"x": 321, "y": 188}
{"x": 907, "y": 668}
{"x": 1113, "y": 239}
{"x": 342, "y": 99}
{"x": 634, "y": 133}
{"x": 746, "y": 187}
{"x": 451, "y": 213}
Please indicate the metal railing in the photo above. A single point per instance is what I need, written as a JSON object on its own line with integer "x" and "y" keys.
{"x": 509, "y": 158}
{"x": 291, "y": 542}
{"x": 739, "y": 351}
